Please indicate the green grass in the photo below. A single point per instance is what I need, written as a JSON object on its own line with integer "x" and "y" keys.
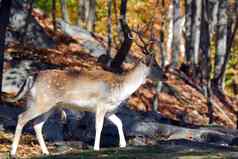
{"x": 147, "y": 152}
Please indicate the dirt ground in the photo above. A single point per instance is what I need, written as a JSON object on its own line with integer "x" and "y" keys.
{"x": 170, "y": 149}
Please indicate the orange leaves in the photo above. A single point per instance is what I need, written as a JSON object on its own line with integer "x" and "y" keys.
{"x": 193, "y": 110}
{"x": 28, "y": 148}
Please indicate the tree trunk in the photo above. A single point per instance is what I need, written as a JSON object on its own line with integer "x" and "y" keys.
{"x": 81, "y": 13}
{"x": 122, "y": 18}
{"x": 123, "y": 10}
{"x": 182, "y": 38}
{"x": 127, "y": 42}
{"x": 176, "y": 32}
{"x": 4, "y": 21}
{"x": 170, "y": 33}
{"x": 53, "y": 14}
{"x": 115, "y": 11}
{"x": 197, "y": 31}
{"x": 109, "y": 27}
{"x": 64, "y": 11}
{"x": 87, "y": 14}
{"x": 189, "y": 14}
{"x": 117, "y": 39}
{"x": 205, "y": 63}
{"x": 212, "y": 15}
{"x": 221, "y": 57}
{"x": 162, "y": 49}
{"x": 162, "y": 45}
{"x": 91, "y": 16}
{"x": 232, "y": 27}
{"x": 193, "y": 31}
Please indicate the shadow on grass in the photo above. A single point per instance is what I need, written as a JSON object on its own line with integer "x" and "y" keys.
{"x": 174, "y": 149}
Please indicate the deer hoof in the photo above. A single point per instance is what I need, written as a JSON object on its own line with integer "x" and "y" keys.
{"x": 96, "y": 148}
{"x": 122, "y": 145}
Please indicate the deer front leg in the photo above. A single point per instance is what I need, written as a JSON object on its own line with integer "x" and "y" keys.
{"x": 115, "y": 120}
{"x": 98, "y": 125}
{"x": 22, "y": 120}
{"x": 16, "y": 139}
{"x": 38, "y": 130}
{"x": 38, "y": 125}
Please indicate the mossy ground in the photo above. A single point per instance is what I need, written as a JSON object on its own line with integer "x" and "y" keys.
{"x": 170, "y": 149}
{"x": 163, "y": 151}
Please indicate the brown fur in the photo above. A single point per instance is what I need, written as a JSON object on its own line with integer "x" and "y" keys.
{"x": 96, "y": 91}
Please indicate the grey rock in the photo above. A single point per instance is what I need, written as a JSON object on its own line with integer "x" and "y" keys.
{"x": 89, "y": 43}
{"x": 34, "y": 34}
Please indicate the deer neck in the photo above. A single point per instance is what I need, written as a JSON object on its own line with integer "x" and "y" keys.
{"x": 133, "y": 80}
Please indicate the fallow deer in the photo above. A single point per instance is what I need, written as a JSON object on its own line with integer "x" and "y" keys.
{"x": 94, "y": 91}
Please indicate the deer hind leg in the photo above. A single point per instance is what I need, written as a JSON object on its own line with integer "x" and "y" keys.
{"x": 38, "y": 125}
{"x": 116, "y": 121}
{"x": 98, "y": 125}
{"x": 23, "y": 119}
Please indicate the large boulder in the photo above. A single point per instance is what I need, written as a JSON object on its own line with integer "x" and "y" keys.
{"x": 33, "y": 34}
{"x": 85, "y": 39}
